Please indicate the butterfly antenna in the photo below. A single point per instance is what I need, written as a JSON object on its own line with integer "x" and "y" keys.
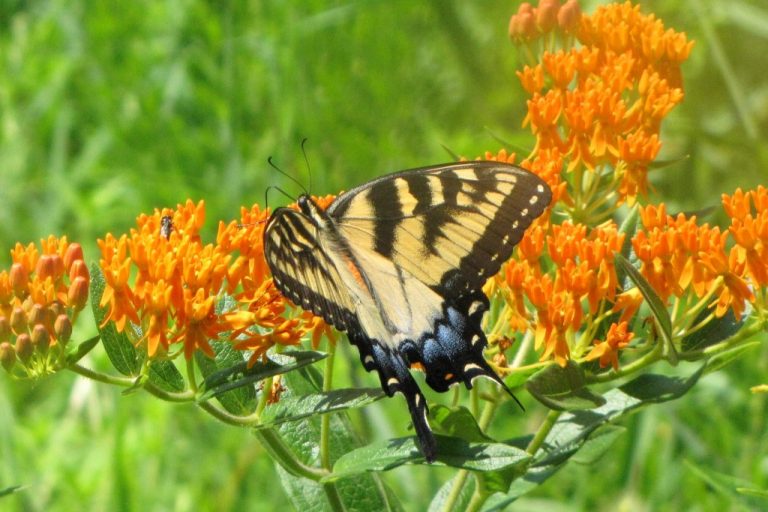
{"x": 306, "y": 161}
{"x": 275, "y": 167}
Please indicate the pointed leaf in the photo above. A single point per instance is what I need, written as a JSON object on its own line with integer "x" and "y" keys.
{"x": 735, "y": 489}
{"x": 121, "y": 352}
{"x": 723, "y": 359}
{"x": 563, "y": 388}
{"x": 452, "y": 451}
{"x": 166, "y": 376}
{"x": 240, "y": 375}
{"x": 295, "y": 407}
{"x": 714, "y": 331}
{"x": 83, "y": 349}
{"x": 241, "y": 400}
{"x": 658, "y": 310}
{"x": 10, "y": 490}
{"x": 456, "y": 422}
{"x": 597, "y": 444}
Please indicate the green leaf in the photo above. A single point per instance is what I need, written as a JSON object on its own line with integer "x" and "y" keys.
{"x": 536, "y": 475}
{"x": 240, "y": 375}
{"x": 452, "y": 451}
{"x": 563, "y": 389}
{"x": 597, "y": 444}
{"x": 518, "y": 377}
{"x": 121, "y": 352}
{"x": 658, "y": 310}
{"x": 364, "y": 492}
{"x": 714, "y": 331}
{"x": 574, "y": 430}
{"x": 628, "y": 228}
{"x": 731, "y": 487}
{"x": 295, "y": 408}
{"x": 457, "y": 422}
{"x": 10, "y": 490}
{"x": 166, "y": 376}
{"x": 240, "y": 400}
{"x": 723, "y": 359}
{"x": 82, "y": 349}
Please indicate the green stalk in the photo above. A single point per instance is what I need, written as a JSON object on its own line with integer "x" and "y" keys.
{"x": 283, "y": 455}
{"x": 542, "y": 433}
{"x": 325, "y": 419}
{"x": 101, "y": 377}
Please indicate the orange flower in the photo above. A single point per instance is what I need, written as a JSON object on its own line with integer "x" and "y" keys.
{"x": 177, "y": 283}
{"x": 607, "y": 351}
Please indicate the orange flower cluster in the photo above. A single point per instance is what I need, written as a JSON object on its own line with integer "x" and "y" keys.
{"x": 163, "y": 279}
{"x": 600, "y": 106}
{"x": 566, "y": 275}
{"x": 40, "y": 298}
{"x": 679, "y": 256}
{"x": 582, "y": 279}
{"x": 749, "y": 228}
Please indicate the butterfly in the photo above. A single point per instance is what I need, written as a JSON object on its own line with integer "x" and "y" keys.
{"x": 399, "y": 264}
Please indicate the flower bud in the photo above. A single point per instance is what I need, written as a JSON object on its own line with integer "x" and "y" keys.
{"x": 528, "y": 25}
{"x": 515, "y": 31}
{"x": 55, "y": 308}
{"x": 5, "y": 329}
{"x": 41, "y": 340}
{"x": 7, "y": 356}
{"x": 36, "y": 315}
{"x": 45, "y": 267}
{"x": 24, "y": 347}
{"x": 19, "y": 279}
{"x": 546, "y": 15}
{"x": 18, "y": 320}
{"x": 63, "y": 329}
{"x": 569, "y": 16}
{"x": 77, "y": 295}
{"x": 79, "y": 269}
{"x": 74, "y": 253}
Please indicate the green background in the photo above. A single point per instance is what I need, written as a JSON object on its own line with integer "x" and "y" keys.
{"x": 110, "y": 109}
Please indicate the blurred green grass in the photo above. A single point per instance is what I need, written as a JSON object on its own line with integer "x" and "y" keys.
{"x": 111, "y": 109}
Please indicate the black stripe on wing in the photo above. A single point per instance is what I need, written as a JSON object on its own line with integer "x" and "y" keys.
{"x": 451, "y": 226}
{"x": 302, "y": 271}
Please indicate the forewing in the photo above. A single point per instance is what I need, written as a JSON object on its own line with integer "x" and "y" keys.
{"x": 302, "y": 271}
{"x": 450, "y": 226}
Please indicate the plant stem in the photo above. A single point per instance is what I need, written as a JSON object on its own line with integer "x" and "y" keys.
{"x": 451, "y": 502}
{"x": 228, "y": 418}
{"x": 284, "y": 456}
{"x": 648, "y": 359}
{"x": 543, "y": 431}
{"x": 325, "y": 419}
{"x": 334, "y": 498}
{"x": 461, "y": 477}
{"x": 101, "y": 377}
{"x": 479, "y": 496}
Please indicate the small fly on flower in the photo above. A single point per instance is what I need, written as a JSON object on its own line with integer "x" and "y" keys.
{"x": 166, "y": 226}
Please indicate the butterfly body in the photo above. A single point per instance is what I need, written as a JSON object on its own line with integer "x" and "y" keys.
{"x": 399, "y": 263}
